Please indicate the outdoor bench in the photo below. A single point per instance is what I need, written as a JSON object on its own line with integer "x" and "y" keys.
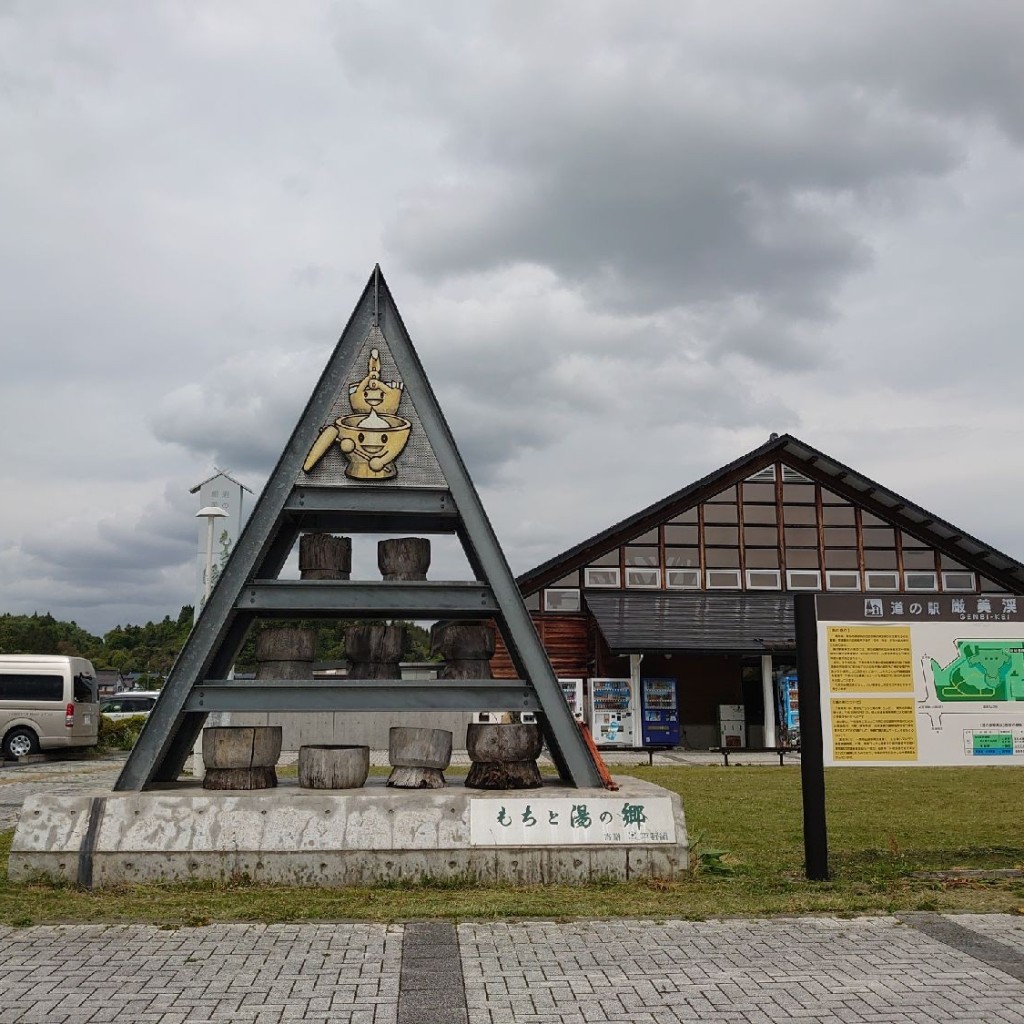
{"x": 781, "y": 751}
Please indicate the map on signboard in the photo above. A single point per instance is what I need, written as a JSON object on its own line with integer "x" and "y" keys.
{"x": 988, "y": 670}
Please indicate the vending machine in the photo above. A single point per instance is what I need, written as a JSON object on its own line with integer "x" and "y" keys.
{"x": 789, "y": 709}
{"x": 732, "y": 725}
{"x": 659, "y": 712}
{"x": 611, "y": 707}
{"x": 573, "y": 690}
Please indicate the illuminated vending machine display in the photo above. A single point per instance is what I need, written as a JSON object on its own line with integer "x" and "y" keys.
{"x": 611, "y": 712}
{"x": 659, "y": 712}
{"x": 789, "y": 710}
{"x": 573, "y": 690}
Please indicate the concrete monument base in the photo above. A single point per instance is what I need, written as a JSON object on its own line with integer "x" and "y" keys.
{"x": 293, "y": 836}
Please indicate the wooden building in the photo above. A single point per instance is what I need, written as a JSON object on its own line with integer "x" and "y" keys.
{"x": 698, "y": 587}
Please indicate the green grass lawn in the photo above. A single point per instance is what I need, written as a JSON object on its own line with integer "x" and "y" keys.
{"x": 745, "y": 824}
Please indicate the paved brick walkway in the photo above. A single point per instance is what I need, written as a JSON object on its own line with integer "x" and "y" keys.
{"x": 861, "y": 971}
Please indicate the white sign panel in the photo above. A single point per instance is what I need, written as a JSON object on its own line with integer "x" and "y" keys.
{"x": 921, "y": 680}
{"x": 601, "y": 821}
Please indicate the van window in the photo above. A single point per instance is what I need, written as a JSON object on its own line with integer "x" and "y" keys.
{"x": 85, "y": 689}
{"x": 31, "y": 687}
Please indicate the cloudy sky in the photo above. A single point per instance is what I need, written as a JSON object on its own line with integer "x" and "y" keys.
{"x": 629, "y": 242}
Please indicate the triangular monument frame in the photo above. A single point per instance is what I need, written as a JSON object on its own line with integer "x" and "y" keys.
{"x": 248, "y": 587}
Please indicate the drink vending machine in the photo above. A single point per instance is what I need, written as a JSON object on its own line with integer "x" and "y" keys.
{"x": 789, "y": 709}
{"x": 573, "y": 690}
{"x": 610, "y": 709}
{"x": 732, "y": 725}
{"x": 659, "y": 712}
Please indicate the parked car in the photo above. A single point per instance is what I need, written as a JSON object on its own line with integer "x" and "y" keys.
{"x": 46, "y": 702}
{"x": 128, "y": 703}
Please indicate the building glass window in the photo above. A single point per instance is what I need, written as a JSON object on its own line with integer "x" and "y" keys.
{"x": 764, "y": 579}
{"x": 721, "y": 535}
{"x": 650, "y": 537}
{"x": 882, "y": 580}
{"x": 831, "y": 498}
{"x": 761, "y": 536}
{"x": 842, "y": 580}
{"x": 728, "y": 495}
{"x": 681, "y": 534}
{"x": 797, "y": 492}
{"x": 756, "y": 514}
{"x": 959, "y": 581}
{"x": 800, "y": 515}
{"x": 802, "y": 558}
{"x": 608, "y": 558}
{"x": 839, "y": 515}
{"x": 572, "y": 580}
{"x": 802, "y": 580}
{"x": 720, "y": 514}
{"x": 682, "y": 556}
{"x": 801, "y": 536}
{"x": 649, "y": 579}
{"x": 689, "y": 516}
{"x": 601, "y": 577}
{"x": 561, "y": 600}
{"x": 723, "y": 579}
{"x": 758, "y": 492}
{"x": 921, "y": 581}
{"x": 718, "y": 558}
{"x": 918, "y": 559}
{"x": 636, "y": 555}
{"x": 840, "y": 536}
{"x": 879, "y": 559}
{"x": 762, "y": 558}
{"x": 682, "y": 579}
{"x": 911, "y": 542}
{"x": 840, "y": 558}
{"x": 879, "y": 537}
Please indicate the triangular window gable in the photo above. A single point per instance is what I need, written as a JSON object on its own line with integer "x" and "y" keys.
{"x": 779, "y": 529}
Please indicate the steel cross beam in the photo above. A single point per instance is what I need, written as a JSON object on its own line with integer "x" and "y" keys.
{"x": 361, "y": 695}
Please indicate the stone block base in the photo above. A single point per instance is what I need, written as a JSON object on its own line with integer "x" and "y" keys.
{"x": 293, "y": 836}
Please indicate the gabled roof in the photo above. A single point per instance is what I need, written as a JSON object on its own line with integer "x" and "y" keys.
{"x": 816, "y": 465}
{"x": 220, "y": 472}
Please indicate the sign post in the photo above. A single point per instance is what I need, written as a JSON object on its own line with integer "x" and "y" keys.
{"x": 905, "y": 680}
{"x": 812, "y": 763}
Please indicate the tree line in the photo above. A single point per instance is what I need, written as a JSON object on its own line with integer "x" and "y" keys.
{"x": 152, "y": 648}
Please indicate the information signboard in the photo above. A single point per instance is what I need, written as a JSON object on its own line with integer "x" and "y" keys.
{"x": 933, "y": 679}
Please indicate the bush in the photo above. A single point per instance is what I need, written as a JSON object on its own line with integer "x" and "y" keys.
{"x": 120, "y": 733}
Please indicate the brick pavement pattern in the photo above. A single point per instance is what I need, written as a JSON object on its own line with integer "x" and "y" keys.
{"x": 807, "y": 970}
{"x": 244, "y": 973}
{"x": 1009, "y": 931}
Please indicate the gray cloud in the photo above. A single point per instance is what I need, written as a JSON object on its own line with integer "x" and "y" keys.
{"x": 628, "y": 244}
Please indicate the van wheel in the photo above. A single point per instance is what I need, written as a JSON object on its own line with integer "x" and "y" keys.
{"x": 19, "y": 742}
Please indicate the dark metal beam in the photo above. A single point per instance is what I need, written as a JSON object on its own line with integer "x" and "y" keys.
{"x": 410, "y": 501}
{"x": 355, "y": 600}
{"x": 362, "y": 695}
{"x": 357, "y": 522}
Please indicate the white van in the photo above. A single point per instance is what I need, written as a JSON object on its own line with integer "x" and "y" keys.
{"x": 47, "y": 702}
